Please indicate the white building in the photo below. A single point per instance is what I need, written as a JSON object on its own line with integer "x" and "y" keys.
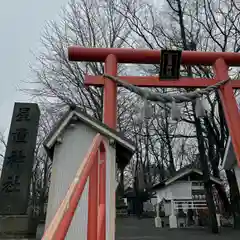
{"x": 183, "y": 191}
{"x": 67, "y": 145}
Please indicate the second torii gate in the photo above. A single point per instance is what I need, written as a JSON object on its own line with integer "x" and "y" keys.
{"x": 220, "y": 61}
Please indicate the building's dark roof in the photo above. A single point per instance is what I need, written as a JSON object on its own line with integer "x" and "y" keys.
{"x": 124, "y": 147}
{"x": 183, "y": 172}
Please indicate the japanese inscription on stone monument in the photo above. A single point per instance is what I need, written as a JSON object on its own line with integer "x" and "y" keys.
{"x": 18, "y": 161}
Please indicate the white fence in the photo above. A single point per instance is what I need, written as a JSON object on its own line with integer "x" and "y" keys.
{"x": 189, "y": 204}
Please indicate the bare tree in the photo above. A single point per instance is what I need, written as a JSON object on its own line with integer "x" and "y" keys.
{"x": 84, "y": 23}
{"x": 204, "y": 25}
{"x": 61, "y": 82}
{"x": 3, "y": 146}
{"x": 41, "y": 168}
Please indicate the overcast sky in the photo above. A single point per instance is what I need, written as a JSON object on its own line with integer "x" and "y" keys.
{"x": 21, "y": 24}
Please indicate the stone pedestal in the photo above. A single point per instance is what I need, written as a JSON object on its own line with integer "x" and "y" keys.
{"x": 181, "y": 222}
{"x": 158, "y": 222}
{"x": 17, "y": 226}
{"x": 218, "y": 216}
{"x": 172, "y": 221}
{"x": 40, "y": 230}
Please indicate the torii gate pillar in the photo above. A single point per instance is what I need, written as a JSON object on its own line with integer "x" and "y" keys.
{"x": 110, "y": 93}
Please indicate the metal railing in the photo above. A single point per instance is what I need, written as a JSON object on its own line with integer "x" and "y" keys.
{"x": 93, "y": 168}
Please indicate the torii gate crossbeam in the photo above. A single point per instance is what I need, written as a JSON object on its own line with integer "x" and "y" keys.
{"x": 112, "y": 56}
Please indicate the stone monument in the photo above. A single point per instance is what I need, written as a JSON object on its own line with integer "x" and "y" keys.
{"x": 17, "y": 169}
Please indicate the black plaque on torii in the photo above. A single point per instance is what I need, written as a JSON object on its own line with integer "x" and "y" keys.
{"x": 19, "y": 157}
{"x": 170, "y": 64}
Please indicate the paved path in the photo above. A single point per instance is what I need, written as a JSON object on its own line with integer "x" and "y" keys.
{"x": 133, "y": 229}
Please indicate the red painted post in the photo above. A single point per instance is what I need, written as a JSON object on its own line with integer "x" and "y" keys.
{"x": 92, "y": 201}
{"x": 101, "y": 216}
{"x": 102, "y": 193}
{"x": 229, "y": 105}
{"x": 110, "y": 119}
{"x": 110, "y": 93}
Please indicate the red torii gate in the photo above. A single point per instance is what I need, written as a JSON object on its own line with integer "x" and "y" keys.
{"x": 112, "y": 56}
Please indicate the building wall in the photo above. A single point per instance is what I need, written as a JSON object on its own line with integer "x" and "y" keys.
{"x": 167, "y": 207}
{"x": 68, "y": 157}
{"x": 111, "y": 185}
{"x": 237, "y": 172}
{"x": 177, "y": 190}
